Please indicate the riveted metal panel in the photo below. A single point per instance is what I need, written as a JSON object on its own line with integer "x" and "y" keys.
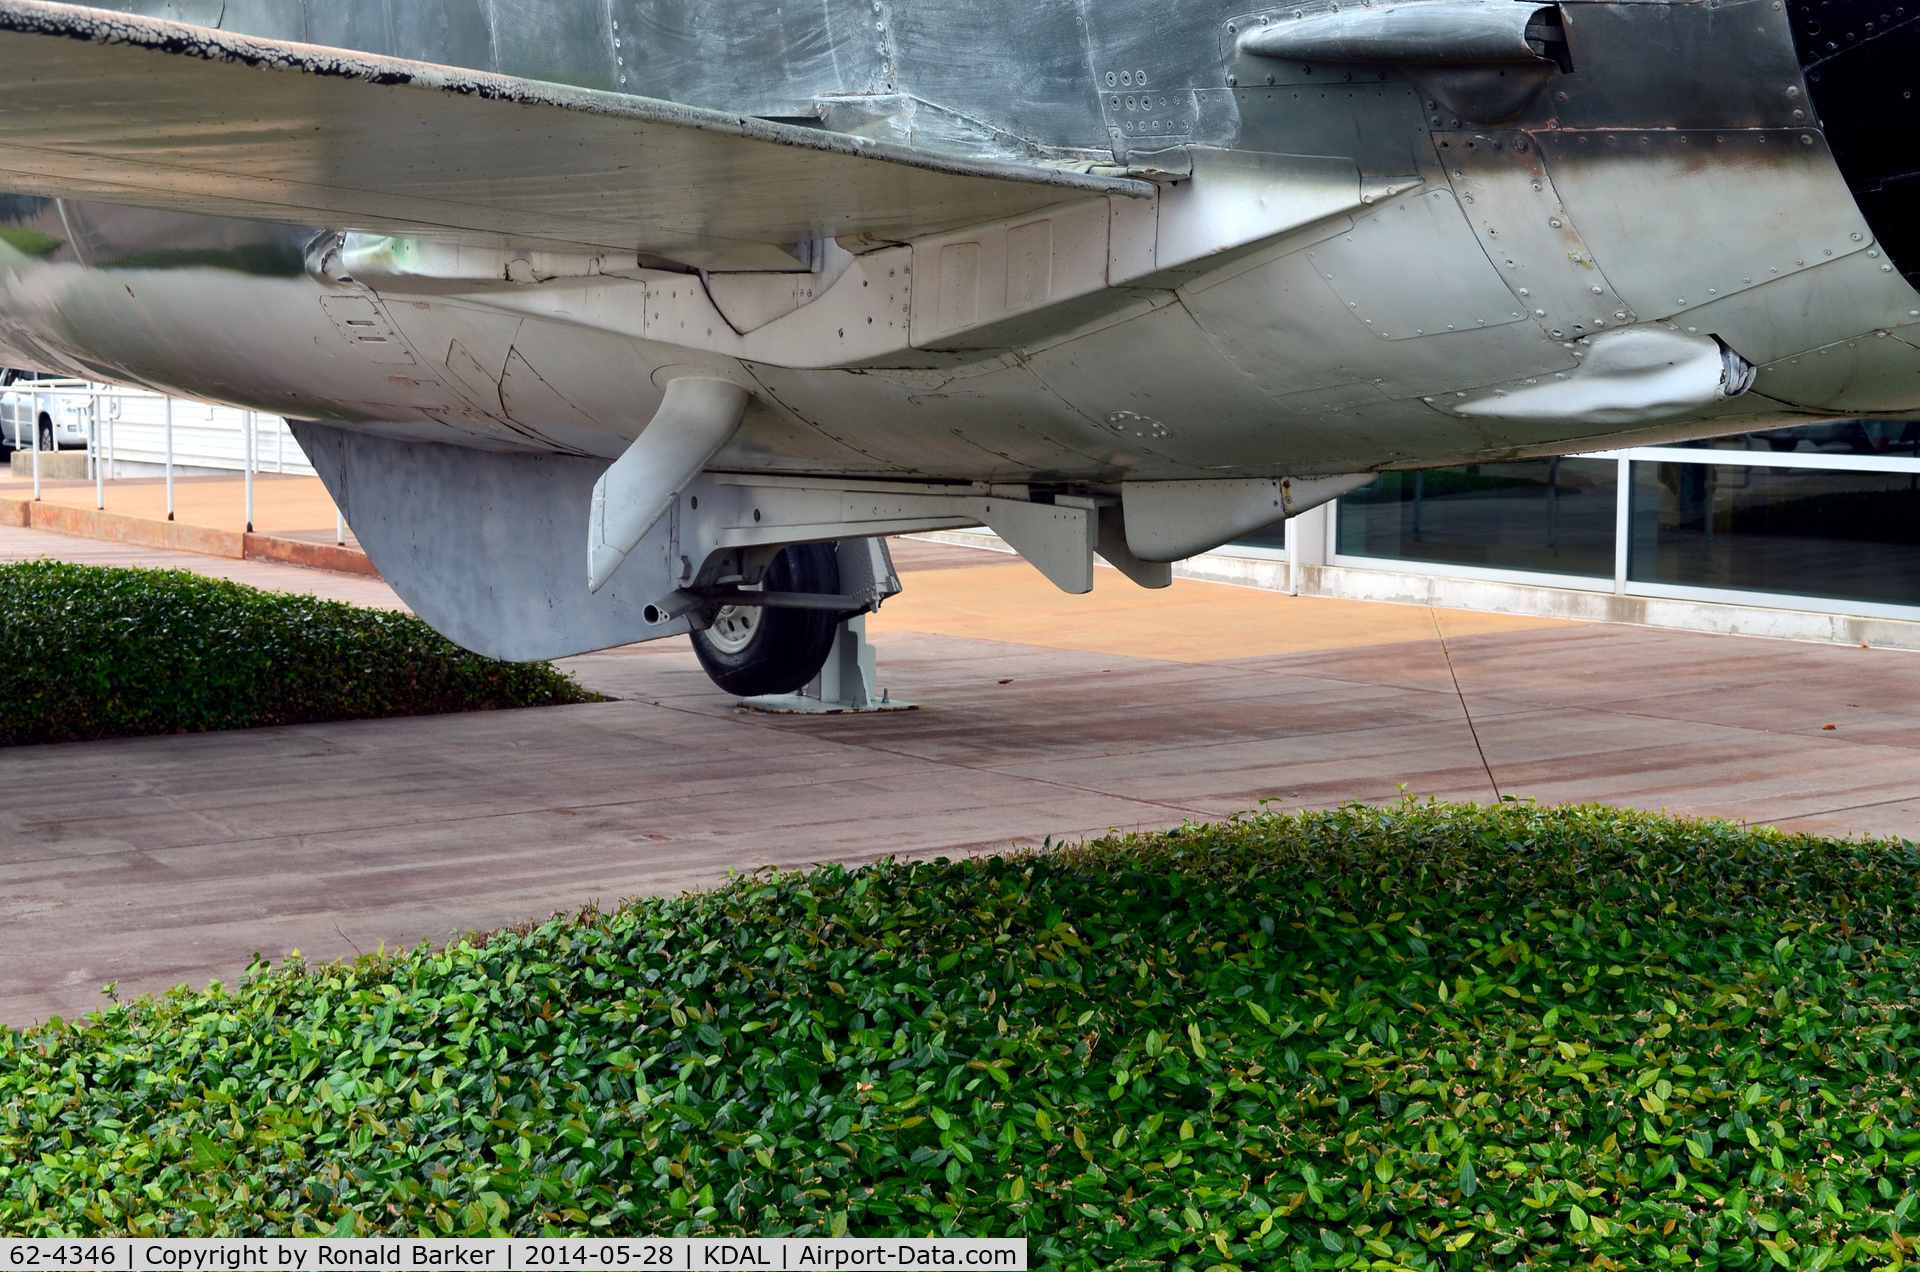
{"x": 1656, "y": 65}
{"x": 1681, "y": 218}
{"x": 701, "y": 52}
{"x": 1377, "y": 123}
{"x": 1148, "y": 67}
{"x": 1512, "y": 206}
{"x": 1238, "y": 197}
{"x": 1148, "y": 120}
{"x": 983, "y": 427}
{"x": 318, "y": 138}
{"x": 1414, "y": 269}
{"x": 1867, "y": 373}
{"x": 1162, "y": 389}
{"x": 1284, "y": 329}
{"x": 989, "y": 272}
{"x": 1810, "y": 308}
{"x": 1030, "y": 262}
{"x": 1019, "y": 66}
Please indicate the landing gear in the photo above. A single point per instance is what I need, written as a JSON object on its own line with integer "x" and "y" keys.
{"x": 751, "y": 650}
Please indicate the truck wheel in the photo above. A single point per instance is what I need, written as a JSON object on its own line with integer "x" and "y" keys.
{"x": 46, "y": 433}
{"x": 751, "y": 650}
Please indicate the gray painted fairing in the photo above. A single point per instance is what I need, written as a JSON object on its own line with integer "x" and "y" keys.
{"x": 488, "y": 548}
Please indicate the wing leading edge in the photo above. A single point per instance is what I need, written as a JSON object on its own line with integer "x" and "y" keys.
{"x": 141, "y": 111}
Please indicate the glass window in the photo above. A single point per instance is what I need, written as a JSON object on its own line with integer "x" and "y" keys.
{"x": 1552, "y": 516}
{"x": 1273, "y": 536}
{"x": 1810, "y": 532}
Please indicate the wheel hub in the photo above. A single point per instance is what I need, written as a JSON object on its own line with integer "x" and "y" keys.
{"x": 733, "y": 627}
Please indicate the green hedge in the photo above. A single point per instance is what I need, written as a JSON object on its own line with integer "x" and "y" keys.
{"x": 1423, "y": 1036}
{"x": 91, "y": 652}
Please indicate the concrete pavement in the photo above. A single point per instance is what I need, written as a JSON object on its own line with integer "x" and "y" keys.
{"x": 155, "y": 861}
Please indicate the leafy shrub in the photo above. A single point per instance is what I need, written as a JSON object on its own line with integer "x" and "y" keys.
{"x": 92, "y": 652}
{"x": 1423, "y": 1036}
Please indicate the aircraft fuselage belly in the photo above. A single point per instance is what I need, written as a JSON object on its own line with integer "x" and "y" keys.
{"x": 1671, "y": 179}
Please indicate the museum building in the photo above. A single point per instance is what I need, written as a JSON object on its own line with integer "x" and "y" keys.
{"x": 1807, "y": 533}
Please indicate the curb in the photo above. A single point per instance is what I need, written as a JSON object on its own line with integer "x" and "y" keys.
{"x": 117, "y": 527}
{"x": 315, "y": 556}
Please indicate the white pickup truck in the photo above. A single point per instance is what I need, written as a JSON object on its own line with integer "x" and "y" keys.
{"x": 58, "y": 408}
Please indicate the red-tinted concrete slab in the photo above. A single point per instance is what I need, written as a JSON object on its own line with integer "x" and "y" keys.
{"x": 158, "y": 860}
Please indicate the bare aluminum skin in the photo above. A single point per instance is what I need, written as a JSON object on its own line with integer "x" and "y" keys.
{"x": 1014, "y": 261}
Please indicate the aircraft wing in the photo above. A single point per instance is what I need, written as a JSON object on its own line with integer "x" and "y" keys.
{"x": 104, "y": 106}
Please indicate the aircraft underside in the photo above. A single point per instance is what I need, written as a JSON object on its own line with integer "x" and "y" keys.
{"x": 1285, "y": 250}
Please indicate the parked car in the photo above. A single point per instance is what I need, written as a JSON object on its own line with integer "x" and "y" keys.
{"x": 57, "y": 407}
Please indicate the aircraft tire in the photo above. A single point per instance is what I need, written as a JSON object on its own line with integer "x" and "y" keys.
{"x": 762, "y": 651}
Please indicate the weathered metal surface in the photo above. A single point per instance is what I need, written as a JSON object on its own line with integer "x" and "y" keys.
{"x": 1720, "y": 204}
{"x": 1866, "y": 374}
{"x": 1526, "y": 231}
{"x": 1466, "y": 291}
{"x": 1437, "y": 33}
{"x": 1629, "y": 376}
{"x": 134, "y": 110}
{"x": 511, "y": 581}
{"x": 947, "y": 293}
{"x": 1173, "y": 520}
{"x": 1662, "y": 65}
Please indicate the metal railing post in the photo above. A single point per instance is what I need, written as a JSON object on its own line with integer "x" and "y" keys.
{"x": 246, "y": 462}
{"x": 339, "y": 528}
{"x": 1622, "y": 524}
{"x": 36, "y": 450}
{"x": 169, "y": 458}
{"x": 93, "y": 454}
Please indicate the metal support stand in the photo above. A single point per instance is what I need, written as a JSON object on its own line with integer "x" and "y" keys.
{"x": 845, "y": 683}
